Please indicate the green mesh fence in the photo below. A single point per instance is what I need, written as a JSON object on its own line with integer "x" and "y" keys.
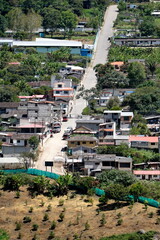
{"x": 98, "y": 191}
{"x": 14, "y": 171}
{"x": 32, "y": 171}
{"x": 150, "y": 202}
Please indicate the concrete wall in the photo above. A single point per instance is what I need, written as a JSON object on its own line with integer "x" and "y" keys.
{"x": 14, "y": 150}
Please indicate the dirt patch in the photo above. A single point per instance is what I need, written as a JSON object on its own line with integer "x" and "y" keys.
{"x": 76, "y": 213}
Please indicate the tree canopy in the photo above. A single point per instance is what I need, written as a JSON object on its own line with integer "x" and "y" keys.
{"x": 144, "y": 100}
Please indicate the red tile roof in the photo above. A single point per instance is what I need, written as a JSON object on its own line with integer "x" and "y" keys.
{"x": 34, "y": 96}
{"x": 146, "y": 172}
{"x": 139, "y": 138}
{"x": 117, "y": 63}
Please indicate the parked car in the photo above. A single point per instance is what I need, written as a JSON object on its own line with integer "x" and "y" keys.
{"x": 65, "y": 136}
{"x": 56, "y": 129}
{"x": 65, "y": 118}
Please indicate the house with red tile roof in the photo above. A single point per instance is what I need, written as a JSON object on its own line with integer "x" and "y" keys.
{"x": 147, "y": 174}
{"x": 117, "y": 65}
{"x": 144, "y": 142}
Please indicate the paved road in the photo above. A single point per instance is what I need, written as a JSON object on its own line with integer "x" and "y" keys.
{"x": 53, "y": 146}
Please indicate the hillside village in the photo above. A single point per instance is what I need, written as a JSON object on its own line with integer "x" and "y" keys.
{"x": 66, "y": 111}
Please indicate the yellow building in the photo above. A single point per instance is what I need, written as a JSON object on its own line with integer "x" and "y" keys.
{"x": 82, "y": 140}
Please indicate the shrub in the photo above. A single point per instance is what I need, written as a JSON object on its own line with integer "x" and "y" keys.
{"x": 35, "y": 237}
{"x": 17, "y": 194}
{"x": 35, "y": 227}
{"x": 86, "y": 226}
{"x": 51, "y": 236}
{"x": 18, "y": 226}
{"x": 90, "y": 200}
{"x": 53, "y": 225}
{"x": 19, "y": 235}
{"x": 103, "y": 199}
{"x": 73, "y": 195}
{"x": 30, "y": 210}
{"x": 119, "y": 222}
{"x": 119, "y": 215}
{"x": 46, "y": 217}
{"x": 157, "y": 221}
{"x": 150, "y": 215}
{"x": 26, "y": 219}
{"x": 61, "y": 216}
{"x": 64, "y": 209}
{"x": 61, "y": 202}
{"x": 103, "y": 220}
{"x": 145, "y": 205}
{"x": 49, "y": 208}
{"x": 12, "y": 182}
{"x": 42, "y": 203}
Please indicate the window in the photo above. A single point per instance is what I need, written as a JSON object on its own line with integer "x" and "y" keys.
{"x": 85, "y": 151}
{"x": 59, "y": 85}
{"x": 124, "y": 165}
{"x": 11, "y": 140}
{"x": 91, "y": 142}
{"x": 72, "y": 142}
{"x": 18, "y": 141}
{"x": 155, "y": 176}
{"x": 108, "y": 163}
{"x": 78, "y": 143}
{"x": 3, "y": 140}
{"x": 57, "y": 92}
{"x": 83, "y": 142}
{"x": 65, "y": 92}
{"x": 138, "y": 175}
{"x": 96, "y": 163}
{"x": 126, "y": 118}
{"x": 153, "y": 143}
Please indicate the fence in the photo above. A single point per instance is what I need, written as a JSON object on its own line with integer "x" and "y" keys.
{"x": 98, "y": 192}
{"x": 32, "y": 171}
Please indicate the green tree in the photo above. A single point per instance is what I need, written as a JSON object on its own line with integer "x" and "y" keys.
{"x": 107, "y": 77}
{"x": 4, "y": 235}
{"x": 28, "y": 158}
{"x": 122, "y": 6}
{"x": 113, "y": 102}
{"x": 51, "y": 19}
{"x": 140, "y": 129}
{"x": 3, "y": 24}
{"x": 144, "y": 100}
{"x": 16, "y": 20}
{"x": 38, "y": 185}
{"x": 147, "y": 27}
{"x": 116, "y": 177}
{"x": 68, "y": 22}
{"x": 34, "y": 142}
{"x": 136, "y": 74}
{"x": 8, "y": 94}
{"x": 12, "y": 182}
{"x": 151, "y": 63}
{"x": 33, "y": 21}
{"x": 137, "y": 190}
{"x": 117, "y": 192}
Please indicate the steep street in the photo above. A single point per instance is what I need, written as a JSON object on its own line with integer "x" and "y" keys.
{"x": 51, "y": 149}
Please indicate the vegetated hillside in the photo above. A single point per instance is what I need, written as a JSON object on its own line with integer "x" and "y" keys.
{"x": 25, "y": 16}
{"x": 72, "y": 216}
